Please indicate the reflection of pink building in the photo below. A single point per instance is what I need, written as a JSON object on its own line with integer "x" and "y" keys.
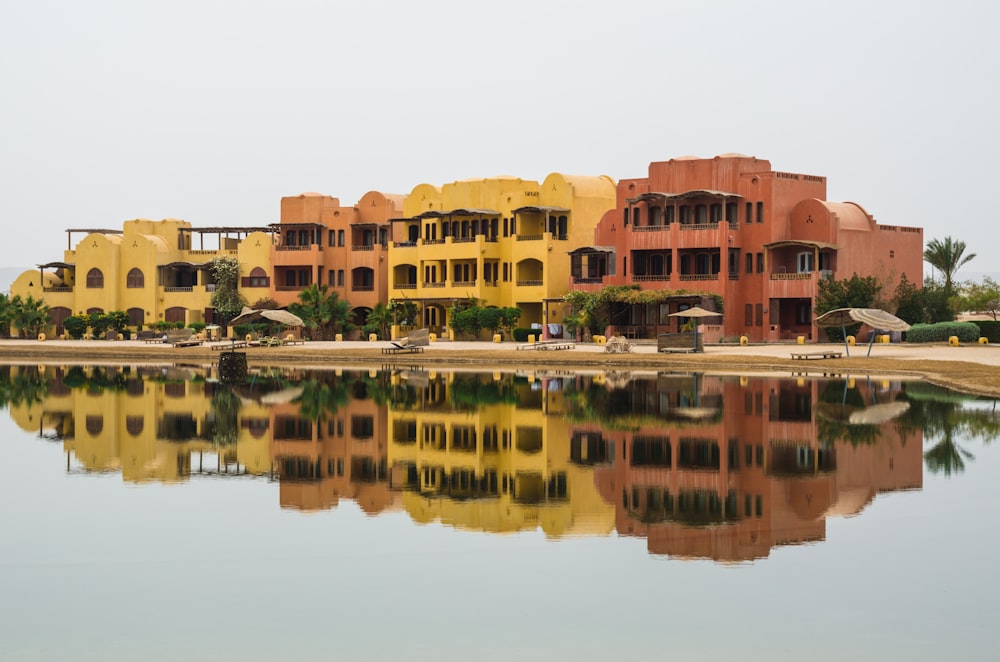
{"x": 732, "y": 226}
{"x": 340, "y": 455}
{"x": 700, "y": 482}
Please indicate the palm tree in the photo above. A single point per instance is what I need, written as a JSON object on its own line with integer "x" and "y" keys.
{"x": 29, "y": 316}
{"x": 322, "y": 311}
{"x": 947, "y": 257}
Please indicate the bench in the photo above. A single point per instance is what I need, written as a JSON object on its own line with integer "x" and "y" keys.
{"x": 293, "y": 341}
{"x": 235, "y": 344}
{"x": 810, "y": 356}
{"x": 396, "y": 348}
{"x": 190, "y": 342}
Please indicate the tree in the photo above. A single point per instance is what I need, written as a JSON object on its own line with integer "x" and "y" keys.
{"x": 981, "y": 297}
{"x": 29, "y": 316}
{"x": 908, "y": 301}
{"x": 853, "y": 292}
{"x": 6, "y": 315}
{"x": 322, "y": 311}
{"x": 379, "y": 321}
{"x": 226, "y": 299}
{"x": 947, "y": 256}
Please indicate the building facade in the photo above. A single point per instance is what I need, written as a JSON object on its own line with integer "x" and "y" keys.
{"x": 153, "y": 270}
{"x": 344, "y": 248}
{"x": 733, "y": 227}
{"x": 504, "y": 241}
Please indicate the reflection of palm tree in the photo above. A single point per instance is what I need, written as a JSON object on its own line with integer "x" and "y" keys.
{"x": 25, "y": 386}
{"x": 319, "y": 399}
{"x": 946, "y": 456}
{"x": 226, "y": 407}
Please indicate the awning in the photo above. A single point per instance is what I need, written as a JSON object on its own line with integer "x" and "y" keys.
{"x": 190, "y": 265}
{"x": 56, "y": 265}
{"x": 539, "y": 210}
{"x": 458, "y": 212}
{"x": 801, "y": 242}
{"x": 698, "y": 193}
{"x": 590, "y": 250}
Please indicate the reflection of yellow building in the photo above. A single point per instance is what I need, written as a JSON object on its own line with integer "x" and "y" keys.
{"x": 153, "y": 270}
{"x": 505, "y": 241}
{"x": 150, "y": 424}
{"x": 499, "y": 468}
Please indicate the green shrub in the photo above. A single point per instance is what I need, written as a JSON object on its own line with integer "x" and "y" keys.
{"x": 197, "y": 327}
{"x": 940, "y": 332}
{"x": 990, "y": 329}
{"x": 521, "y": 334}
{"x": 76, "y": 325}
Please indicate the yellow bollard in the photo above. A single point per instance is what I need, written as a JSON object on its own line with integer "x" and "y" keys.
{"x": 744, "y": 341}
{"x": 850, "y": 340}
{"x": 339, "y": 337}
{"x": 801, "y": 340}
{"x": 432, "y": 337}
{"x": 41, "y": 337}
{"x": 885, "y": 339}
{"x": 601, "y": 340}
{"x": 496, "y": 337}
{"x": 249, "y": 337}
{"x": 531, "y": 337}
{"x": 744, "y": 380}
{"x": 983, "y": 340}
{"x": 953, "y": 341}
{"x": 372, "y": 337}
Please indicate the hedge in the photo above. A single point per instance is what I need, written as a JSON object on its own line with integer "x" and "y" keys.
{"x": 940, "y": 332}
{"x": 990, "y": 329}
{"x": 521, "y": 334}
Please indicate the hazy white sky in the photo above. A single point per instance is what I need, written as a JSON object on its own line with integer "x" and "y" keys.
{"x": 212, "y": 111}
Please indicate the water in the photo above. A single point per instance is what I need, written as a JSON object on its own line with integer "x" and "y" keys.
{"x": 151, "y": 512}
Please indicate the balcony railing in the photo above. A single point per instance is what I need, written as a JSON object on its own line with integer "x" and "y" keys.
{"x": 490, "y": 283}
{"x": 463, "y": 240}
{"x": 441, "y": 284}
{"x": 699, "y": 226}
{"x": 650, "y": 228}
{"x": 530, "y": 283}
{"x": 178, "y": 289}
{"x": 289, "y": 288}
{"x": 58, "y": 288}
{"x": 587, "y": 279}
{"x": 405, "y": 244}
{"x": 362, "y": 247}
{"x": 406, "y": 286}
{"x": 699, "y": 276}
{"x": 794, "y": 276}
{"x": 428, "y": 242}
{"x": 464, "y": 283}
{"x": 530, "y": 237}
{"x": 646, "y": 278}
{"x": 294, "y": 248}
{"x": 362, "y": 288}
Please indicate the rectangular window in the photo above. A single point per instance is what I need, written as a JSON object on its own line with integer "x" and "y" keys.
{"x": 625, "y": 216}
{"x": 759, "y": 314}
{"x": 748, "y": 316}
{"x": 749, "y": 263}
{"x": 749, "y": 212}
{"x": 331, "y": 278}
{"x": 332, "y": 239}
{"x": 760, "y": 212}
{"x": 340, "y": 278}
{"x": 760, "y": 263}
{"x": 731, "y": 212}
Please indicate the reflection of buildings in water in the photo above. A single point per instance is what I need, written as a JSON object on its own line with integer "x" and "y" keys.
{"x": 147, "y": 423}
{"x": 339, "y": 454}
{"x": 501, "y": 466}
{"x": 758, "y": 475}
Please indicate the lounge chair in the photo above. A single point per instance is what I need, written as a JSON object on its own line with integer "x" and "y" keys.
{"x": 411, "y": 344}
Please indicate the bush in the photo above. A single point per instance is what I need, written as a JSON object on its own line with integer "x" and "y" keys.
{"x": 990, "y": 329}
{"x": 940, "y": 332}
{"x": 521, "y": 334}
{"x": 76, "y": 325}
{"x": 197, "y": 327}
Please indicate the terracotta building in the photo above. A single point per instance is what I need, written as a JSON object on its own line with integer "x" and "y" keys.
{"x": 733, "y": 227}
{"x": 344, "y": 248}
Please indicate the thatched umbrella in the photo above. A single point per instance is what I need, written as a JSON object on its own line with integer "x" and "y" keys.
{"x": 696, "y": 311}
{"x": 250, "y": 315}
{"x": 877, "y": 319}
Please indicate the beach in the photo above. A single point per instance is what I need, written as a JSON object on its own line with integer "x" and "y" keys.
{"x": 969, "y": 368}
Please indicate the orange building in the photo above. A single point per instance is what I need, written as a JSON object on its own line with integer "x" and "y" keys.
{"x": 731, "y": 226}
{"x": 324, "y": 243}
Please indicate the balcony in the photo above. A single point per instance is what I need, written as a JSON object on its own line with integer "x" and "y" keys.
{"x": 649, "y": 279}
{"x": 58, "y": 288}
{"x": 650, "y": 228}
{"x": 530, "y": 283}
{"x": 692, "y": 277}
{"x": 178, "y": 289}
{"x": 363, "y": 288}
{"x": 530, "y": 237}
{"x": 464, "y": 283}
{"x": 793, "y": 276}
{"x": 405, "y": 286}
{"x": 363, "y": 247}
{"x": 442, "y": 284}
{"x": 293, "y": 248}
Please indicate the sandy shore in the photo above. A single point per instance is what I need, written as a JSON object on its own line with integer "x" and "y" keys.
{"x": 970, "y": 368}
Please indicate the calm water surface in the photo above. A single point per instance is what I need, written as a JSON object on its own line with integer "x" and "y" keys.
{"x": 152, "y": 512}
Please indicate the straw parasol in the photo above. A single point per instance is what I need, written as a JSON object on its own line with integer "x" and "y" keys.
{"x": 877, "y": 319}
{"x": 249, "y": 315}
{"x": 696, "y": 311}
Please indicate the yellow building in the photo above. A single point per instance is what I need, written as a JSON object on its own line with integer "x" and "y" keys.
{"x": 150, "y": 269}
{"x": 505, "y": 241}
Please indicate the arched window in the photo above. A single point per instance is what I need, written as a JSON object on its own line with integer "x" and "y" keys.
{"x": 135, "y": 278}
{"x": 134, "y": 425}
{"x": 258, "y": 278}
{"x": 95, "y": 278}
{"x": 94, "y": 424}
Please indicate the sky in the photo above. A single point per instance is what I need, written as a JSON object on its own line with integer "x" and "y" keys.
{"x": 213, "y": 111}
